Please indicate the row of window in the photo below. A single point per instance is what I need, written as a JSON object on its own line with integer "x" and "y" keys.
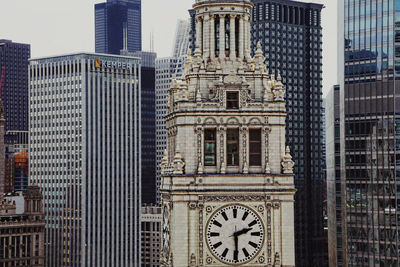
{"x": 232, "y": 147}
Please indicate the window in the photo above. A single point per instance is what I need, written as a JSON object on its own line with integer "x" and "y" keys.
{"x": 232, "y": 100}
{"x": 232, "y": 149}
{"x": 210, "y": 139}
{"x": 255, "y": 147}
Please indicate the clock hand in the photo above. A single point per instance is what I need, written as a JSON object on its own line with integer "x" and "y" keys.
{"x": 236, "y": 251}
{"x": 243, "y": 231}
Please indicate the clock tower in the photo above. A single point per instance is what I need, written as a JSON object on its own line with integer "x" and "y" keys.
{"x": 227, "y": 175}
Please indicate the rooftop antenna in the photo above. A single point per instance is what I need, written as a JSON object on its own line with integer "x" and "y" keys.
{"x": 151, "y": 41}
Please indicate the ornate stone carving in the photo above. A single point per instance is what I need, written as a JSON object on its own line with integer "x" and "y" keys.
{"x": 164, "y": 162}
{"x": 244, "y": 131}
{"x": 179, "y": 163}
{"x": 192, "y": 260}
{"x": 199, "y": 132}
{"x": 279, "y": 90}
{"x": 287, "y": 162}
{"x": 192, "y": 205}
{"x": 232, "y": 79}
{"x": 234, "y": 198}
{"x": 201, "y": 237}
{"x": 267, "y": 131}
{"x": 222, "y": 130}
{"x": 277, "y": 262}
{"x": 269, "y": 237}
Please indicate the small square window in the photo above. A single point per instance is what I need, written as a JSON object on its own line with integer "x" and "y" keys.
{"x": 232, "y": 100}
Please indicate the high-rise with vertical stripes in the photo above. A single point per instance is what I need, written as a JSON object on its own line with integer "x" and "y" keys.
{"x": 85, "y": 116}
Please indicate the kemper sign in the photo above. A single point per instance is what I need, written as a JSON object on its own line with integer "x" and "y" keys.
{"x": 112, "y": 64}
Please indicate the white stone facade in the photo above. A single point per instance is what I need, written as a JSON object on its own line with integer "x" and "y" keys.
{"x": 194, "y": 191}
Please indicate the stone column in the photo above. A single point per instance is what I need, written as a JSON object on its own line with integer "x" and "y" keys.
{"x": 241, "y": 37}
{"x": 247, "y": 37}
{"x": 212, "y": 37}
{"x": 221, "y": 36}
{"x": 199, "y": 41}
{"x": 232, "y": 53}
{"x": 206, "y": 37}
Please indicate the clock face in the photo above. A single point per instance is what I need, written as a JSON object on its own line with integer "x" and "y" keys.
{"x": 165, "y": 232}
{"x": 235, "y": 234}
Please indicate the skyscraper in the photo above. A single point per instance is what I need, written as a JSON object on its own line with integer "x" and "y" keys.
{"x": 291, "y": 35}
{"x": 334, "y": 184}
{"x": 118, "y": 26}
{"x": 14, "y": 84}
{"x": 181, "y": 40}
{"x": 148, "y": 118}
{"x": 166, "y": 69}
{"x": 85, "y": 154}
{"x": 369, "y": 71}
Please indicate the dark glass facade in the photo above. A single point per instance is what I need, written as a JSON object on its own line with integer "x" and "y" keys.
{"x": 118, "y": 26}
{"x": 148, "y": 135}
{"x": 291, "y": 37}
{"x": 334, "y": 183}
{"x": 14, "y": 68}
{"x": 371, "y": 177}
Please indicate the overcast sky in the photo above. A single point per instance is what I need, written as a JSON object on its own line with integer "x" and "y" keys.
{"x": 65, "y": 26}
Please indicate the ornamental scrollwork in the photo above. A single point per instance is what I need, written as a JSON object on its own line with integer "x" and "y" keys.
{"x": 234, "y": 198}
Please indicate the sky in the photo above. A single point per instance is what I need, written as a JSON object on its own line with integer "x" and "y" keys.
{"x": 54, "y": 27}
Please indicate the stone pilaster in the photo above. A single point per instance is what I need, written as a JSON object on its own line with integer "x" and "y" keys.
{"x": 206, "y": 37}
{"x": 212, "y": 37}
{"x": 232, "y": 53}
{"x": 241, "y": 37}
{"x": 199, "y": 39}
{"x": 222, "y": 36}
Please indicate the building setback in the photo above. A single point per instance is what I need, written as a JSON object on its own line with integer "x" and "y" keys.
{"x": 85, "y": 155}
{"x": 369, "y": 71}
{"x": 14, "y": 83}
{"x": 118, "y": 26}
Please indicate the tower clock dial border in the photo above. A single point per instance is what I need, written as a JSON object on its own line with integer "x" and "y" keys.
{"x": 235, "y": 234}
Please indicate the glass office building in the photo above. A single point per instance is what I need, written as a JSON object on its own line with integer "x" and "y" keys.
{"x": 290, "y": 33}
{"x": 370, "y": 138}
{"x": 85, "y": 154}
{"x": 118, "y": 26}
{"x": 14, "y": 83}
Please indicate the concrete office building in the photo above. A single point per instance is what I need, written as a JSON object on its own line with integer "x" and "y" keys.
{"x": 151, "y": 236}
{"x": 85, "y": 155}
